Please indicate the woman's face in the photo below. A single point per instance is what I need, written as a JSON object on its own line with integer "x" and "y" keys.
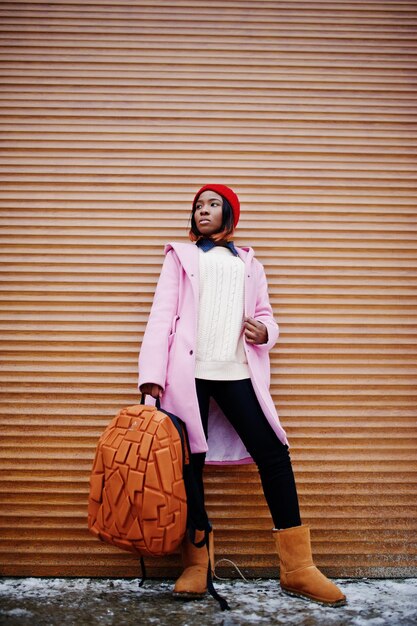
{"x": 208, "y": 213}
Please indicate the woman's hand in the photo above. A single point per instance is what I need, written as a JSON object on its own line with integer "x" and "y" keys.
{"x": 255, "y": 332}
{"x": 151, "y": 389}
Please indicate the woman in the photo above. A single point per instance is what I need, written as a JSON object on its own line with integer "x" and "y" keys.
{"x": 205, "y": 354}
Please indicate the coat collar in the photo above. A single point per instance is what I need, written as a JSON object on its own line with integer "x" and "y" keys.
{"x": 187, "y": 253}
{"x": 188, "y": 256}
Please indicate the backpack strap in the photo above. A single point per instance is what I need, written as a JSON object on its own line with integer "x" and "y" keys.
{"x": 157, "y": 401}
{"x": 142, "y": 571}
{"x": 210, "y": 587}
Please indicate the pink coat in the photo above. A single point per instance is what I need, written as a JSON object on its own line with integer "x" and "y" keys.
{"x": 167, "y": 354}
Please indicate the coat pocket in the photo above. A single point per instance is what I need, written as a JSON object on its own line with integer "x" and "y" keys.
{"x": 173, "y": 330}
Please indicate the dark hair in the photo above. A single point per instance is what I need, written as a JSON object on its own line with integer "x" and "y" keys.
{"x": 226, "y": 230}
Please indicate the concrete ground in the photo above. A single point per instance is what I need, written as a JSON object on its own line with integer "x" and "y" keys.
{"x": 120, "y": 602}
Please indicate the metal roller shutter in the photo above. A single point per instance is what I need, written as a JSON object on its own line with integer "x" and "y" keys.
{"x": 113, "y": 114}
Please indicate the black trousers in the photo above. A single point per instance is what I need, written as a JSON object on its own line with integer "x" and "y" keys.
{"x": 239, "y": 403}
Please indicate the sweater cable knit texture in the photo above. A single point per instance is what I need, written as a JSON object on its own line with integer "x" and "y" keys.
{"x": 220, "y": 351}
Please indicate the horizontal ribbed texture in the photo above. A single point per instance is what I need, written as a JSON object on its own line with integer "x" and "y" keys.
{"x": 113, "y": 115}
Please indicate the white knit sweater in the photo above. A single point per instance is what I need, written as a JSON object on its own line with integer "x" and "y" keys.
{"x": 220, "y": 351}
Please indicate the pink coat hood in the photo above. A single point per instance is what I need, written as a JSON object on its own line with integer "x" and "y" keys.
{"x": 167, "y": 353}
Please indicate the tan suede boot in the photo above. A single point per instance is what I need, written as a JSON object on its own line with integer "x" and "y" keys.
{"x": 298, "y": 574}
{"x": 192, "y": 584}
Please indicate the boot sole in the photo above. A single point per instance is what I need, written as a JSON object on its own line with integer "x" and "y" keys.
{"x": 188, "y": 595}
{"x": 306, "y": 596}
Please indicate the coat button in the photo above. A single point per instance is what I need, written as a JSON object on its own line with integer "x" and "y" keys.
{"x": 191, "y": 352}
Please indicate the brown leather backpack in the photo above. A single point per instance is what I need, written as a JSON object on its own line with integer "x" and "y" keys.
{"x": 138, "y": 499}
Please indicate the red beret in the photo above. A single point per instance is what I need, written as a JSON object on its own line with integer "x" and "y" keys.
{"x": 227, "y": 193}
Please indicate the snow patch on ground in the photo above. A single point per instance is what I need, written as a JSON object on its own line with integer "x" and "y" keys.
{"x": 121, "y": 602}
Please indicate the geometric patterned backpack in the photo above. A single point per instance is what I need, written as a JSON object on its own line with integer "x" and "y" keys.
{"x": 140, "y": 484}
{"x": 138, "y": 500}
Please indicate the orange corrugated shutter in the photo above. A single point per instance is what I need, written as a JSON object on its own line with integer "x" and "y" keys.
{"x": 113, "y": 114}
